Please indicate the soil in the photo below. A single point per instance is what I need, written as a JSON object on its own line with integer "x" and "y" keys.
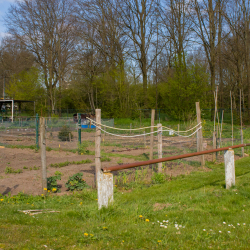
{"x": 29, "y": 160}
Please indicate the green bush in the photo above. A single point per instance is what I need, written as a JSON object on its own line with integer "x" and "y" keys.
{"x": 65, "y": 134}
{"x": 75, "y": 182}
{"x": 158, "y": 178}
{"x": 52, "y": 183}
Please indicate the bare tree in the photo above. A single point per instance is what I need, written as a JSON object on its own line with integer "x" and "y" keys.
{"x": 45, "y": 28}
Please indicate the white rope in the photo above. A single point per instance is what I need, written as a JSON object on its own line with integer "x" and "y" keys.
{"x": 119, "y": 128}
{"x": 128, "y": 129}
{"x": 131, "y": 136}
{"x": 127, "y": 136}
{"x": 183, "y": 131}
{"x": 186, "y": 135}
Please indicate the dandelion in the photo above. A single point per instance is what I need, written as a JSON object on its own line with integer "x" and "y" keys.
{"x": 80, "y": 203}
{"x": 91, "y": 234}
{"x": 48, "y": 191}
{"x": 104, "y": 228}
{"x": 41, "y": 194}
{"x": 45, "y": 189}
{"x": 147, "y": 220}
{"x": 159, "y": 241}
{"x": 86, "y": 234}
{"x": 1, "y": 199}
{"x": 140, "y": 216}
{"x": 123, "y": 241}
{"x": 53, "y": 189}
{"x": 166, "y": 215}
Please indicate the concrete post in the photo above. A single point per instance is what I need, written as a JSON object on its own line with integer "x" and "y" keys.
{"x": 229, "y": 168}
{"x": 105, "y": 190}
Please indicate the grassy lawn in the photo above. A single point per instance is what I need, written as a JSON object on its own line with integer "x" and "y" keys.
{"x": 201, "y": 214}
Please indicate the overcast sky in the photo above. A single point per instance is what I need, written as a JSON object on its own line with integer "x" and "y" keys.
{"x": 4, "y": 5}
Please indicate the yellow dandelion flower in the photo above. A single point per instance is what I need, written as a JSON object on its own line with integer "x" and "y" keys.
{"x": 91, "y": 234}
{"x": 147, "y": 220}
{"x": 1, "y": 199}
{"x": 159, "y": 241}
{"x": 53, "y": 189}
{"x": 41, "y": 194}
{"x": 48, "y": 191}
{"x": 85, "y": 234}
{"x": 80, "y": 203}
{"x": 140, "y": 216}
{"x": 45, "y": 189}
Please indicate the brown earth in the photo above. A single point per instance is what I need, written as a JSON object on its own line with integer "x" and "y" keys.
{"x": 29, "y": 161}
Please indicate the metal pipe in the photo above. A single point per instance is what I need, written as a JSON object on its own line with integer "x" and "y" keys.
{"x": 171, "y": 158}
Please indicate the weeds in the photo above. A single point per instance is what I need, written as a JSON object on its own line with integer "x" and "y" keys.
{"x": 66, "y": 163}
{"x": 9, "y": 170}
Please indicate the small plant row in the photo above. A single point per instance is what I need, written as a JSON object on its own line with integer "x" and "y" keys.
{"x": 66, "y": 163}
{"x": 10, "y": 170}
{"x": 75, "y": 182}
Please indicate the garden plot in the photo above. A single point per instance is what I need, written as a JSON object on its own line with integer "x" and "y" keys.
{"x": 20, "y": 168}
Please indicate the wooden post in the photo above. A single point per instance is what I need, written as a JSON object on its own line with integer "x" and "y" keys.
{"x": 229, "y": 168}
{"x": 214, "y": 145}
{"x": 43, "y": 155}
{"x": 98, "y": 171}
{"x": 222, "y": 115}
{"x": 199, "y": 134}
{"x": 178, "y": 128}
{"x": 159, "y": 128}
{"x": 130, "y": 127}
{"x": 144, "y": 138}
{"x": 140, "y": 118}
{"x": 152, "y": 135}
{"x": 232, "y": 118}
{"x": 241, "y": 131}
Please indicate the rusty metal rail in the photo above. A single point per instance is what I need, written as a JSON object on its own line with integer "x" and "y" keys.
{"x": 171, "y": 158}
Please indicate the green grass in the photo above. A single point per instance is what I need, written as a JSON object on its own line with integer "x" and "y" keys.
{"x": 66, "y": 163}
{"x": 197, "y": 201}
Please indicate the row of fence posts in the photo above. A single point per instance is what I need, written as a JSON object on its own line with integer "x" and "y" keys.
{"x": 104, "y": 180}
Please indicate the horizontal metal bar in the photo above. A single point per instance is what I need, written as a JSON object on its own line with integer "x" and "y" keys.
{"x": 171, "y": 158}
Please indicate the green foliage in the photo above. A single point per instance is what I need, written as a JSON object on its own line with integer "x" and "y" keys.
{"x": 158, "y": 178}
{"x": 52, "y": 183}
{"x": 187, "y": 85}
{"x": 65, "y": 133}
{"x": 58, "y": 173}
{"x": 9, "y": 170}
{"x": 105, "y": 158}
{"x": 66, "y": 163}
{"x": 75, "y": 182}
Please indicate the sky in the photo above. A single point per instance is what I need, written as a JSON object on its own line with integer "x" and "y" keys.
{"x": 4, "y": 5}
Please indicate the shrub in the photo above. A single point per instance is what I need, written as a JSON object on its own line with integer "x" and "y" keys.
{"x": 65, "y": 133}
{"x": 52, "y": 183}
{"x": 158, "y": 178}
{"x": 75, "y": 182}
